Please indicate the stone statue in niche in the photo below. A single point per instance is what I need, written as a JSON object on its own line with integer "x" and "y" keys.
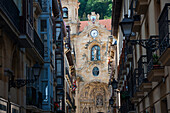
{"x": 95, "y": 53}
{"x": 85, "y": 110}
{"x": 99, "y": 100}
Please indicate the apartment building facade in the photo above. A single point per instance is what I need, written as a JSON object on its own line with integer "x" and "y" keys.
{"x": 142, "y": 70}
{"x": 28, "y": 43}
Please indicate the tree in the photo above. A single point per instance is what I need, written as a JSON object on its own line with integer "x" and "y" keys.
{"x": 103, "y": 7}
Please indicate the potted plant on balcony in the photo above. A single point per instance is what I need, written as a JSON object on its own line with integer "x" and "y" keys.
{"x": 156, "y": 62}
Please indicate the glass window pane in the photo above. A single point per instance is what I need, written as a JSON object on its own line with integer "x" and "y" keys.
{"x": 95, "y": 53}
{"x": 45, "y": 91}
{"x": 59, "y": 68}
{"x": 59, "y": 81}
{"x": 65, "y": 12}
{"x": 43, "y": 25}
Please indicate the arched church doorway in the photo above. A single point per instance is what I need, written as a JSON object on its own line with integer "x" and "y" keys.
{"x": 94, "y": 98}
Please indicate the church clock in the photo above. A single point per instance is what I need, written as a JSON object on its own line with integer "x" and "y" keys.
{"x": 94, "y": 33}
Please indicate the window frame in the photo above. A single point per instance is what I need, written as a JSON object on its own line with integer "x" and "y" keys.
{"x": 65, "y": 11}
{"x": 98, "y": 53}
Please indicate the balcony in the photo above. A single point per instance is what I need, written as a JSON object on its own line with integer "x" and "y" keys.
{"x": 137, "y": 23}
{"x": 120, "y": 80}
{"x": 141, "y": 6}
{"x": 129, "y": 53}
{"x": 164, "y": 36}
{"x": 26, "y": 26}
{"x": 155, "y": 72}
{"x": 38, "y": 44}
{"x": 144, "y": 85}
{"x": 131, "y": 87}
{"x": 137, "y": 93}
{"x": 10, "y": 10}
{"x": 67, "y": 40}
{"x": 27, "y": 33}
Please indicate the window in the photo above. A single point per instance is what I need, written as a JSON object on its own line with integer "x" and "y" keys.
{"x": 44, "y": 6}
{"x": 59, "y": 81}
{"x": 3, "y": 107}
{"x": 65, "y": 12}
{"x": 45, "y": 91}
{"x": 164, "y": 106}
{"x": 58, "y": 67}
{"x": 14, "y": 110}
{"x": 95, "y": 71}
{"x": 95, "y": 53}
{"x": 43, "y": 25}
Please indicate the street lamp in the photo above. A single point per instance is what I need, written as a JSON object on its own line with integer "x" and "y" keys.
{"x": 126, "y": 26}
{"x": 22, "y": 82}
{"x": 36, "y": 70}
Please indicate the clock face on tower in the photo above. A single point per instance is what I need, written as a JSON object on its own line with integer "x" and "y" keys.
{"x": 94, "y": 33}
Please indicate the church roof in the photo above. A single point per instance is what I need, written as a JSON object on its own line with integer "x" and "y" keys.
{"x": 105, "y": 22}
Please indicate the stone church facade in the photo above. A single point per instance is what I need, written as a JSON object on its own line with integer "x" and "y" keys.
{"x": 92, "y": 68}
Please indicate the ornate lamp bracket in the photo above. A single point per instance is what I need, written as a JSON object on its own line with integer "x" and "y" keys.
{"x": 152, "y": 43}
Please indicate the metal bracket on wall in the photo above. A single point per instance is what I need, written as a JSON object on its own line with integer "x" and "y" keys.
{"x": 152, "y": 43}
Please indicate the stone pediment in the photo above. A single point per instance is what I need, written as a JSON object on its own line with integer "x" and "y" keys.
{"x": 93, "y": 23}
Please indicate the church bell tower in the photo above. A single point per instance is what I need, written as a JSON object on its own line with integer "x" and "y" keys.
{"x": 70, "y": 14}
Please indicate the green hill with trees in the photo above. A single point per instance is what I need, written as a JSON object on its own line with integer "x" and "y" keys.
{"x": 103, "y": 7}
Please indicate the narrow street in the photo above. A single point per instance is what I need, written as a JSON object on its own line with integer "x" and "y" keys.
{"x": 85, "y": 56}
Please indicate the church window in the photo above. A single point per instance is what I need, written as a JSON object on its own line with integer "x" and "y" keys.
{"x": 65, "y": 12}
{"x": 95, "y": 53}
{"x": 95, "y": 71}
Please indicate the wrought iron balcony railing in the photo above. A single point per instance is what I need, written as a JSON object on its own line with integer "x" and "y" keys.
{"x": 38, "y": 44}
{"x": 164, "y": 33}
{"x": 142, "y": 69}
{"x": 153, "y": 57}
{"x": 10, "y": 9}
